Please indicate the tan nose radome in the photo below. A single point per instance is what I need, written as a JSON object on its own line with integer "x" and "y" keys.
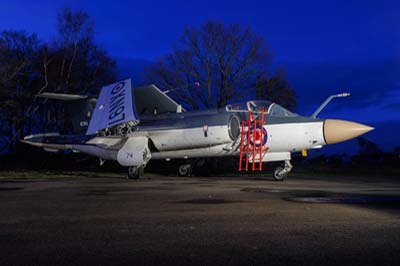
{"x": 340, "y": 130}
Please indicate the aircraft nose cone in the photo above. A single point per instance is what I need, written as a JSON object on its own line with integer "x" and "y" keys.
{"x": 340, "y": 130}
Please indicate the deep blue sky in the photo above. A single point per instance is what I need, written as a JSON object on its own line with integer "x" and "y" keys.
{"x": 325, "y": 46}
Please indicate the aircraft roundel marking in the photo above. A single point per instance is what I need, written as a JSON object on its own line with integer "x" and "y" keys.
{"x": 118, "y": 87}
{"x": 258, "y": 136}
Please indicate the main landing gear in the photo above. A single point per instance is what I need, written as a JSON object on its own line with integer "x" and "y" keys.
{"x": 134, "y": 172}
{"x": 280, "y": 173}
{"x": 185, "y": 170}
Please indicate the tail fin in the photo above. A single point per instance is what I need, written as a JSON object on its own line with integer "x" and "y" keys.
{"x": 115, "y": 105}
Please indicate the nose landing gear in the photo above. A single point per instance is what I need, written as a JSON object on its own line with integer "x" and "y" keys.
{"x": 281, "y": 173}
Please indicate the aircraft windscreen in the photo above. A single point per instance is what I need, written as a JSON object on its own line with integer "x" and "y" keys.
{"x": 277, "y": 110}
{"x": 268, "y": 107}
{"x": 259, "y": 106}
{"x": 254, "y": 106}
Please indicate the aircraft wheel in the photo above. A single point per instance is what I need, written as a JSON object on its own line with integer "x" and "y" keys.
{"x": 133, "y": 172}
{"x": 185, "y": 170}
{"x": 279, "y": 174}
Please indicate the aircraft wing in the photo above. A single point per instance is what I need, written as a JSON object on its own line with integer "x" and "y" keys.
{"x": 150, "y": 97}
{"x": 114, "y": 106}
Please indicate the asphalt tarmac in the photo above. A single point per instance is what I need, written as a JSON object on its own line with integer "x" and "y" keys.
{"x": 199, "y": 221}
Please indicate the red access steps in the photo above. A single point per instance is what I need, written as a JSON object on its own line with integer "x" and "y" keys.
{"x": 249, "y": 150}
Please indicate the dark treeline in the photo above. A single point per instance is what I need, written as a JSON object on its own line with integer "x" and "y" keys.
{"x": 209, "y": 66}
{"x": 70, "y": 63}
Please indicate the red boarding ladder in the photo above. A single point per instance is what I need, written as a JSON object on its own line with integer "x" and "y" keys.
{"x": 250, "y": 151}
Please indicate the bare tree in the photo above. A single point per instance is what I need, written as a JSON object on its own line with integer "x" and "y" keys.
{"x": 18, "y": 78}
{"x": 276, "y": 89}
{"x": 212, "y": 64}
{"x": 77, "y": 63}
{"x": 73, "y": 63}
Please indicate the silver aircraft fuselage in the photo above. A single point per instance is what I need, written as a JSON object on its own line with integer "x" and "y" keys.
{"x": 123, "y": 128}
{"x": 183, "y": 136}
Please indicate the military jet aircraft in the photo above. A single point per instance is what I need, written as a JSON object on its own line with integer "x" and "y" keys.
{"x": 136, "y": 125}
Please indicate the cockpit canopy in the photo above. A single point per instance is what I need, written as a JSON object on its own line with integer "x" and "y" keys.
{"x": 268, "y": 107}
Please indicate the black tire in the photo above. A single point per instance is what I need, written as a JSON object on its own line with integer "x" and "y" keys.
{"x": 133, "y": 172}
{"x": 278, "y": 176}
{"x": 184, "y": 170}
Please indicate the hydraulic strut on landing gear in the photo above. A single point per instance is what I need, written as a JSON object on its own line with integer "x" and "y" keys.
{"x": 280, "y": 173}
